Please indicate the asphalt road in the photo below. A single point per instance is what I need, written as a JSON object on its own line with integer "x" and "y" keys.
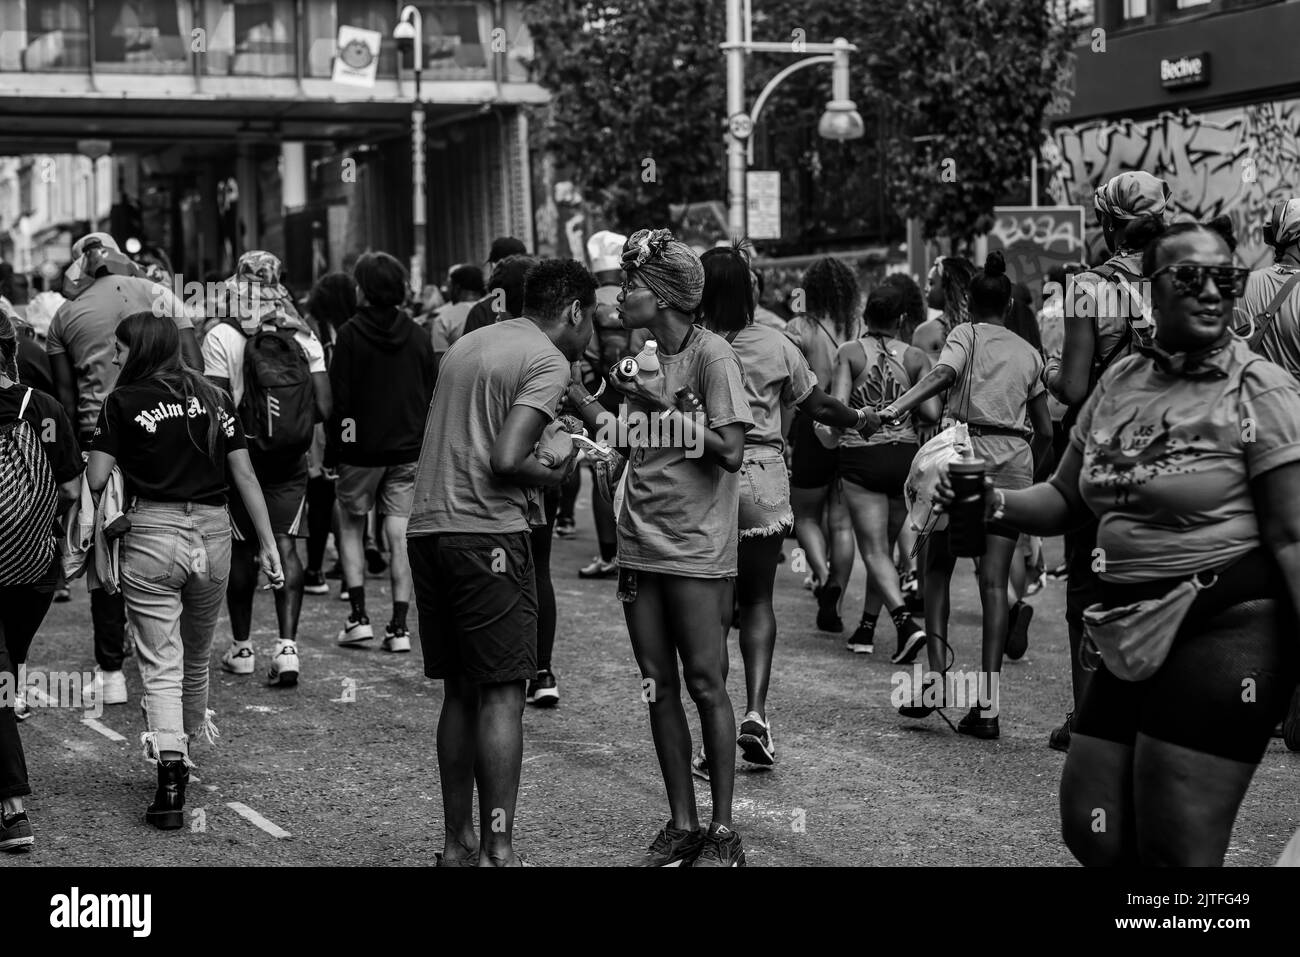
{"x": 341, "y": 770}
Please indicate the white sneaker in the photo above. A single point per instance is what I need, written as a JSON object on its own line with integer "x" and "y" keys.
{"x": 397, "y": 641}
{"x": 239, "y": 658}
{"x": 343, "y": 595}
{"x": 110, "y": 687}
{"x": 22, "y": 710}
{"x": 284, "y": 665}
{"x": 355, "y": 632}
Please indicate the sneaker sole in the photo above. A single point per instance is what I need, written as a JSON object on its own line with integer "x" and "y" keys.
{"x": 231, "y": 671}
{"x": 861, "y": 649}
{"x": 315, "y": 589}
{"x": 753, "y": 750}
{"x": 396, "y": 651}
{"x": 165, "y": 820}
{"x": 545, "y": 699}
{"x": 907, "y": 654}
{"x": 18, "y": 845}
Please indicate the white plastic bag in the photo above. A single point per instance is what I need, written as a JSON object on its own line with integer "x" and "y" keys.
{"x": 932, "y": 461}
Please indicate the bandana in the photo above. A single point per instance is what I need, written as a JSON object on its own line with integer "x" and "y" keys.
{"x": 95, "y": 255}
{"x": 1202, "y": 364}
{"x": 1285, "y": 219}
{"x": 1130, "y": 195}
{"x": 255, "y": 296}
{"x": 670, "y": 268}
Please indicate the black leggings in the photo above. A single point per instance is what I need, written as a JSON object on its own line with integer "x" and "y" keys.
{"x": 541, "y": 535}
{"x": 1229, "y": 676}
{"x": 22, "y": 609}
{"x": 320, "y": 518}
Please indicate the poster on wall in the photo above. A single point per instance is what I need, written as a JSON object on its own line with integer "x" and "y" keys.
{"x": 357, "y": 59}
{"x": 1033, "y": 239}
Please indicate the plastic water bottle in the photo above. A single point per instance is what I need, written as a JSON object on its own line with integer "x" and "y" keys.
{"x": 647, "y": 359}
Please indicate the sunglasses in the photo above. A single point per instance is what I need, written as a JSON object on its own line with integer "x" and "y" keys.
{"x": 1189, "y": 278}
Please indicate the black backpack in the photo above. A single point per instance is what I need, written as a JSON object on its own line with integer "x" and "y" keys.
{"x": 1121, "y": 348}
{"x": 28, "y": 502}
{"x": 278, "y": 408}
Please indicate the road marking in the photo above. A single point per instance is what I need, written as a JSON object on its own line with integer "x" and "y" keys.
{"x": 248, "y": 814}
{"x": 103, "y": 729}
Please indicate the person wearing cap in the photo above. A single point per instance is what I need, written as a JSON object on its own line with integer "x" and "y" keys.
{"x": 1103, "y": 319}
{"x": 101, "y": 288}
{"x": 1280, "y": 340}
{"x": 256, "y": 299}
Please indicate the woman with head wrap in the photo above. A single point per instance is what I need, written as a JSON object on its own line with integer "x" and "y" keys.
{"x": 677, "y": 534}
{"x": 1103, "y": 323}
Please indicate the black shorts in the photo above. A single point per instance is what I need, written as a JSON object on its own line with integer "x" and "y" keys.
{"x": 1082, "y": 586}
{"x": 476, "y": 596}
{"x": 1228, "y": 678}
{"x": 285, "y": 493}
{"x": 812, "y": 465}
{"x": 878, "y": 468}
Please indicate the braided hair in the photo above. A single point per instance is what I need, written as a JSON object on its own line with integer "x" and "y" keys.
{"x": 831, "y": 291}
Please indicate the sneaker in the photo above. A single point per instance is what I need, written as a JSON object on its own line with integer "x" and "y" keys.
{"x": 239, "y": 658}
{"x": 721, "y": 848}
{"x": 755, "y": 740}
{"x": 565, "y": 527}
{"x": 977, "y": 726}
{"x": 908, "y": 584}
{"x": 673, "y": 847}
{"x": 918, "y": 709}
{"x": 908, "y": 648}
{"x": 1037, "y": 585}
{"x": 313, "y": 583}
{"x": 22, "y": 710}
{"x": 599, "y": 569}
{"x": 284, "y": 665}
{"x": 376, "y": 565}
{"x": 396, "y": 641}
{"x": 110, "y": 687}
{"x": 543, "y": 691}
{"x": 1059, "y": 739}
{"x": 700, "y": 765}
{"x": 62, "y": 595}
{"x": 828, "y": 600}
{"x": 16, "y": 833}
{"x": 862, "y": 641}
{"x": 1291, "y": 724}
{"x": 354, "y": 632}
{"x": 1018, "y": 630}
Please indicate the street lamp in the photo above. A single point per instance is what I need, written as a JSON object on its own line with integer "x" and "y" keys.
{"x": 410, "y": 30}
{"x": 841, "y": 120}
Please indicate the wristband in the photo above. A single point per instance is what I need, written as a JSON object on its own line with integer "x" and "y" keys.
{"x": 889, "y": 414}
{"x": 587, "y": 401}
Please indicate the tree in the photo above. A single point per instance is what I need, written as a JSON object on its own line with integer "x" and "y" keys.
{"x": 637, "y": 101}
{"x": 968, "y": 84}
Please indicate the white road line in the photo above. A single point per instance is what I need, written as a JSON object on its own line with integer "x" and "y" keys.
{"x": 248, "y": 814}
{"x": 103, "y": 729}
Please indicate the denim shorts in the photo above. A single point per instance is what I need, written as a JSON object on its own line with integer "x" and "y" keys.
{"x": 764, "y": 493}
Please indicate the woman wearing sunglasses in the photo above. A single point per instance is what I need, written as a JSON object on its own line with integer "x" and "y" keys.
{"x": 677, "y": 536}
{"x": 1188, "y": 454}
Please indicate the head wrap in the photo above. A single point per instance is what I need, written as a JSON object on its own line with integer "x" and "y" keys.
{"x": 1285, "y": 222}
{"x": 255, "y": 296}
{"x": 670, "y": 268}
{"x": 95, "y": 255}
{"x": 605, "y": 249}
{"x": 1130, "y": 195}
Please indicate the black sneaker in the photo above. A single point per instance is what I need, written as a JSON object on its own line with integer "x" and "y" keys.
{"x": 565, "y": 527}
{"x": 828, "y": 600}
{"x": 313, "y": 583}
{"x": 542, "y": 690}
{"x": 755, "y": 740}
{"x": 918, "y": 709}
{"x": 978, "y": 726}
{"x": 908, "y": 648}
{"x": 673, "y": 847}
{"x": 1059, "y": 739}
{"x": 16, "y": 833}
{"x": 334, "y": 572}
{"x": 1018, "y": 630}
{"x": 721, "y": 848}
{"x": 376, "y": 565}
{"x": 862, "y": 641}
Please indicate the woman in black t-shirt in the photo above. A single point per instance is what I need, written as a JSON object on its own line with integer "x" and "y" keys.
{"x": 175, "y": 437}
{"x": 23, "y": 607}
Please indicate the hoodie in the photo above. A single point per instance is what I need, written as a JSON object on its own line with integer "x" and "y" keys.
{"x": 381, "y": 377}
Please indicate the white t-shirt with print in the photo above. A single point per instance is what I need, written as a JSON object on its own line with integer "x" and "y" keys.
{"x": 223, "y": 355}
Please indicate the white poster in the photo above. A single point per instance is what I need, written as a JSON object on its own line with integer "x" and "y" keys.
{"x": 357, "y": 58}
{"x": 763, "y": 187}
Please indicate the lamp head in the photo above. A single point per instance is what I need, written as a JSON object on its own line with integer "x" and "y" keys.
{"x": 841, "y": 122}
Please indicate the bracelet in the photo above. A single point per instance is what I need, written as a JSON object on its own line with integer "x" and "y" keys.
{"x": 862, "y": 419}
{"x": 587, "y": 401}
{"x": 1000, "y": 505}
{"x": 889, "y": 414}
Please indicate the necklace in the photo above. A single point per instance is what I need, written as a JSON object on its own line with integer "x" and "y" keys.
{"x": 690, "y": 334}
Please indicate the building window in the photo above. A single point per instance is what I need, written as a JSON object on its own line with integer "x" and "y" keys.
{"x": 44, "y": 35}
{"x": 455, "y": 39}
{"x": 142, "y": 36}
{"x": 324, "y": 17}
{"x": 1135, "y": 10}
{"x": 250, "y": 37}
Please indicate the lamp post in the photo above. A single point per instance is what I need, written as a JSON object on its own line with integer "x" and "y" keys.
{"x": 410, "y": 29}
{"x": 840, "y": 121}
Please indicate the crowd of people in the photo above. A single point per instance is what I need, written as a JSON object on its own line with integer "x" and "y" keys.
{"x": 1147, "y": 411}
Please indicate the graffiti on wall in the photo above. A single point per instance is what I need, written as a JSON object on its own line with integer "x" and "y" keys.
{"x": 1231, "y": 162}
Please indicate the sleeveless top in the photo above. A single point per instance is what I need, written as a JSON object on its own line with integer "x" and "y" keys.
{"x": 883, "y": 380}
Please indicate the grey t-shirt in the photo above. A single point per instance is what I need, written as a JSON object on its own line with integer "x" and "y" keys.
{"x": 776, "y": 374}
{"x": 1281, "y": 342}
{"x": 483, "y": 376}
{"x": 84, "y": 327}
{"x": 679, "y": 513}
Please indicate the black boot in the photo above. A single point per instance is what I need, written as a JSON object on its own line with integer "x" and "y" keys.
{"x": 167, "y": 812}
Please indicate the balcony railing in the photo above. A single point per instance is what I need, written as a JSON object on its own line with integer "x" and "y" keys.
{"x": 265, "y": 38}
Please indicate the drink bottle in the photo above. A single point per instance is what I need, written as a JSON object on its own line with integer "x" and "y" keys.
{"x": 966, "y": 513}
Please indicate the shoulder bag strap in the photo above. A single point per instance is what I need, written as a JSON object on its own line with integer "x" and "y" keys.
{"x": 1266, "y": 320}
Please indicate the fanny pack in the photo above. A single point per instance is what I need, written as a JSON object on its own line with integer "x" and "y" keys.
{"x": 1134, "y": 640}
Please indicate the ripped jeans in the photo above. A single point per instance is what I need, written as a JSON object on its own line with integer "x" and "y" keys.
{"x": 175, "y": 564}
{"x": 764, "y": 493}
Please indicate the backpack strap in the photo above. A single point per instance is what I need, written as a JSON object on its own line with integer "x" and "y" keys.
{"x": 1265, "y": 319}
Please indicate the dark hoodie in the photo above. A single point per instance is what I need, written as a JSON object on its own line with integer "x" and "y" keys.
{"x": 382, "y": 378}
